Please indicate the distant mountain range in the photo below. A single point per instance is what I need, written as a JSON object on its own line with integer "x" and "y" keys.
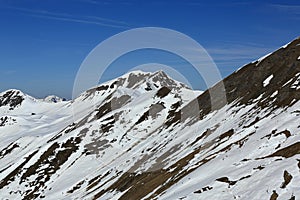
{"x": 147, "y": 136}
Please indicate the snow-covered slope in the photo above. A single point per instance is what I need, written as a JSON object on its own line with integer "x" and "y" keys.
{"x": 146, "y": 136}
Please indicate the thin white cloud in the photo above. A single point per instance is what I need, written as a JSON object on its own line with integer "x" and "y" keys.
{"x": 93, "y": 1}
{"x": 230, "y": 52}
{"x": 9, "y": 72}
{"x": 105, "y": 2}
{"x": 79, "y": 21}
{"x": 108, "y": 20}
{"x": 229, "y": 57}
{"x": 100, "y": 21}
{"x": 287, "y": 8}
{"x": 238, "y": 52}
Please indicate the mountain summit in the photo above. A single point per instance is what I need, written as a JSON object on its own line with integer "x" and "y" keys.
{"x": 146, "y": 136}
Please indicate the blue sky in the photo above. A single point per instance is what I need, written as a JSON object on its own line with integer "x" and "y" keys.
{"x": 43, "y": 43}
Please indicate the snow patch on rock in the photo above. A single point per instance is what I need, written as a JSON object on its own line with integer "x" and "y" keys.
{"x": 267, "y": 81}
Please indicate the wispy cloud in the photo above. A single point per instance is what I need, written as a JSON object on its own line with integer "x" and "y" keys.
{"x": 293, "y": 11}
{"x": 238, "y": 52}
{"x": 213, "y": 4}
{"x": 286, "y": 7}
{"x": 100, "y": 21}
{"x": 108, "y": 20}
{"x": 94, "y": 1}
{"x": 106, "y": 2}
{"x": 238, "y": 55}
{"x": 8, "y": 72}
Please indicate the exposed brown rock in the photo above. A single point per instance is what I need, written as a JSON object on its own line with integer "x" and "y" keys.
{"x": 226, "y": 134}
{"x": 287, "y": 179}
{"x": 162, "y": 92}
{"x": 11, "y": 98}
{"x": 11, "y": 176}
{"x": 226, "y": 180}
{"x": 152, "y": 111}
{"x": 8, "y": 149}
{"x": 288, "y": 151}
{"x": 274, "y": 195}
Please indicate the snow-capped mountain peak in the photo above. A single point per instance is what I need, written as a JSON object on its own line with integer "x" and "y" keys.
{"x": 53, "y": 99}
{"x": 12, "y": 98}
